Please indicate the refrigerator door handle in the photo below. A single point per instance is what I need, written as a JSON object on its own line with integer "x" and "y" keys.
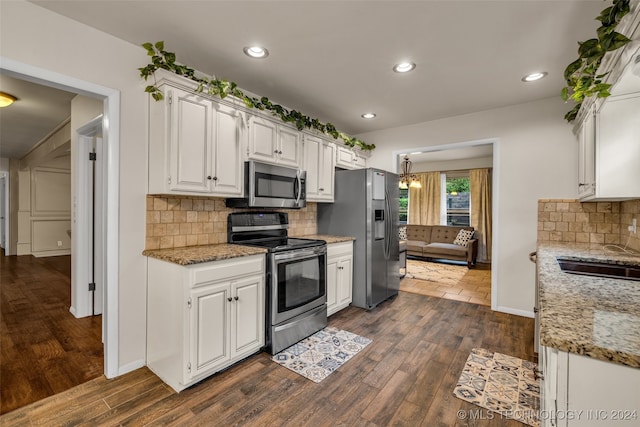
{"x": 388, "y": 226}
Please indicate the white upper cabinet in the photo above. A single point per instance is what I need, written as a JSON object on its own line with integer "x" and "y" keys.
{"x": 273, "y": 143}
{"x": 608, "y": 132}
{"x": 319, "y": 162}
{"x": 347, "y": 158}
{"x": 194, "y": 145}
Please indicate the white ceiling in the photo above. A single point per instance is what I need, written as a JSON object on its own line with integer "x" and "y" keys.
{"x": 38, "y": 110}
{"x": 333, "y": 60}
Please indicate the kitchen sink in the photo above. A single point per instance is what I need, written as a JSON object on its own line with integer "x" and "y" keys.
{"x": 599, "y": 269}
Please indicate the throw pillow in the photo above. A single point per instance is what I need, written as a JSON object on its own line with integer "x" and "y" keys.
{"x": 402, "y": 233}
{"x": 463, "y": 237}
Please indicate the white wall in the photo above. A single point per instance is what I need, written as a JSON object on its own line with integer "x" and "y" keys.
{"x": 35, "y": 36}
{"x": 536, "y": 158}
{"x": 453, "y": 165}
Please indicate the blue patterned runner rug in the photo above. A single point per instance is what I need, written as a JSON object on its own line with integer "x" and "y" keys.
{"x": 318, "y": 355}
{"x": 502, "y": 384}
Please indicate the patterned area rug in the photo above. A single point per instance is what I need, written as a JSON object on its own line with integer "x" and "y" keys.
{"x": 501, "y": 383}
{"x": 448, "y": 274}
{"x": 317, "y": 356}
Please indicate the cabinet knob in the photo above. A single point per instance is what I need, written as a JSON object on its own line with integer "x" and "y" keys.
{"x": 229, "y": 299}
{"x": 236, "y": 298}
{"x": 209, "y": 178}
{"x": 215, "y": 178}
{"x": 321, "y": 189}
{"x": 275, "y": 151}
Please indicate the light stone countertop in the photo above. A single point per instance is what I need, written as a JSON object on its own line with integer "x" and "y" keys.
{"x": 205, "y": 253}
{"x": 327, "y": 238}
{"x": 592, "y": 316}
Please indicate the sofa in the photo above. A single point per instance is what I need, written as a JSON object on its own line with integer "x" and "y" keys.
{"x": 436, "y": 241}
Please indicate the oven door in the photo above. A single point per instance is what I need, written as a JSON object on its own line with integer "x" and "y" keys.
{"x": 298, "y": 282}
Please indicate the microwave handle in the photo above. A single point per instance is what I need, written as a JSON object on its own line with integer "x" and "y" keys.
{"x": 299, "y": 185}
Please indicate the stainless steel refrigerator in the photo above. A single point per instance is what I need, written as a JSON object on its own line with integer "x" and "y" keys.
{"x": 366, "y": 207}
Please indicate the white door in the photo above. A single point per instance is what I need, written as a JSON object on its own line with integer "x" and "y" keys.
{"x": 311, "y": 163}
{"x": 262, "y": 140}
{"x": 288, "y": 147}
{"x": 326, "y": 174}
{"x": 248, "y": 301}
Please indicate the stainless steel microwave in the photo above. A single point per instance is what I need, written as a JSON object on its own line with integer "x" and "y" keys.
{"x": 271, "y": 186}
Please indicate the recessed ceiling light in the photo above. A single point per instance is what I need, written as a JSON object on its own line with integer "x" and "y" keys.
{"x": 534, "y": 76}
{"x": 368, "y": 115}
{"x": 404, "y": 67}
{"x": 256, "y": 51}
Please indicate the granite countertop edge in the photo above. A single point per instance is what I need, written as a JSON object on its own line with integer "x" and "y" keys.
{"x": 327, "y": 238}
{"x": 590, "y": 316}
{"x": 205, "y": 253}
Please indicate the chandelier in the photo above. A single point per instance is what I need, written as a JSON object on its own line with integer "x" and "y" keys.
{"x": 406, "y": 178}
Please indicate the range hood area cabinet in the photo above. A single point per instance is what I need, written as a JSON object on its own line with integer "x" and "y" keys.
{"x": 195, "y": 145}
{"x": 319, "y": 162}
{"x": 202, "y": 318}
{"x": 273, "y": 143}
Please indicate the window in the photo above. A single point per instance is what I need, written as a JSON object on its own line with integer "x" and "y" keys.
{"x": 403, "y": 211}
{"x": 456, "y": 206}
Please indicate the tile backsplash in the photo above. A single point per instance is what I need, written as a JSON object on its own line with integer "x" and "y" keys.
{"x": 178, "y": 221}
{"x": 569, "y": 220}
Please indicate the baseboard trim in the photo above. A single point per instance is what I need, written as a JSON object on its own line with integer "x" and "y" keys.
{"x": 514, "y": 311}
{"x": 129, "y": 367}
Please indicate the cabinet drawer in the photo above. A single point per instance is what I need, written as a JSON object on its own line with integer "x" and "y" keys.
{"x": 339, "y": 249}
{"x": 225, "y": 269}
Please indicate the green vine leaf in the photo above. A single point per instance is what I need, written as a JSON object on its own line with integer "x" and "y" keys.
{"x": 581, "y": 75}
{"x": 161, "y": 59}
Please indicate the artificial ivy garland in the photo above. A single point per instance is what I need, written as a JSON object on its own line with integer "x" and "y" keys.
{"x": 161, "y": 59}
{"x": 581, "y": 75}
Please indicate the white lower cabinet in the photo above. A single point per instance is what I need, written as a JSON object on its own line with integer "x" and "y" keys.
{"x": 582, "y": 391}
{"x": 203, "y": 317}
{"x": 339, "y": 276}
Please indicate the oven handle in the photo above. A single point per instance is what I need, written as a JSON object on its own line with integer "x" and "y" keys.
{"x": 300, "y": 254}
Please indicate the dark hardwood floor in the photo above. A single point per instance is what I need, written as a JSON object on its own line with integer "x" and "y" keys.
{"x": 405, "y": 377}
{"x": 44, "y": 349}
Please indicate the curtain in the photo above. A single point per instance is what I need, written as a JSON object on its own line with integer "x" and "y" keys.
{"x": 480, "y": 182}
{"x": 424, "y": 203}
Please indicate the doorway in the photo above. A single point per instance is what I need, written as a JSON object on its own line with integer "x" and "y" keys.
{"x": 453, "y": 163}
{"x": 109, "y": 199}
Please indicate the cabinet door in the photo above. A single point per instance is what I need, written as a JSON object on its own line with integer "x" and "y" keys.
{"x": 359, "y": 162}
{"x": 332, "y": 285}
{"x": 189, "y": 141}
{"x": 263, "y": 143}
{"x": 344, "y": 158}
{"x": 586, "y": 156}
{"x": 345, "y": 278}
{"x": 311, "y": 164}
{"x": 618, "y": 148}
{"x": 326, "y": 172}
{"x": 288, "y": 147}
{"x": 227, "y": 174}
{"x": 248, "y": 302}
{"x": 209, "y": 338}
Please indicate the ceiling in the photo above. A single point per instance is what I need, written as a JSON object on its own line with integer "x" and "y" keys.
{"x": 38, "y": 110}
{"x": 333, "y": 60}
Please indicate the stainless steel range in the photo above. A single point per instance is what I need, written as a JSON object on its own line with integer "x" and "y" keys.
{"x": 296, "y": 276}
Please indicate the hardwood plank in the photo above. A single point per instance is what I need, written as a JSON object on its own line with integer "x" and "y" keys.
{"x": 45, "y": 350}
{"x": 405, "y": 377}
